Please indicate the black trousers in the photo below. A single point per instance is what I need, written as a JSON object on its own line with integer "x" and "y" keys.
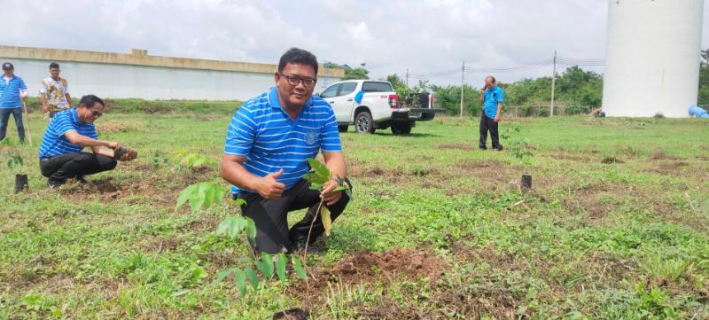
{"x": 71, "y": 165}
{"x": 270, "y": 216}
{"x": 488, "y": 124}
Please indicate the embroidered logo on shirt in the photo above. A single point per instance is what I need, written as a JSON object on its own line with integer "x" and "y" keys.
{"x": 310, "y": 138}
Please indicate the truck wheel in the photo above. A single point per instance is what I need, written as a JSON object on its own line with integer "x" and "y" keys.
{"x": 364, "y": 123}
{"x": 403, "y": 128}
{"x": 342, "y": 128}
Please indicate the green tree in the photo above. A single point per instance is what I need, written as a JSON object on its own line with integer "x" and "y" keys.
{"x": 399, "y": 85}
{"x": 359, "y": 73}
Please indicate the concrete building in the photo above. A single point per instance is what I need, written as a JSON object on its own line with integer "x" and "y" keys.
{"x": 653, "y": 57}
{"x": 139, "y": 75}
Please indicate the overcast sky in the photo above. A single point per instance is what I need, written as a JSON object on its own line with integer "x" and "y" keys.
{"x": 430, "y": 37}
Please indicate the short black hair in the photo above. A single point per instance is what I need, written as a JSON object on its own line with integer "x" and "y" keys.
{"x": 90, "y": 100}
{"x": 8, "y": 66}
{"x": 296, "y": 55}
{"x": 53, "y": 65}
{"x": 494, "y": 81}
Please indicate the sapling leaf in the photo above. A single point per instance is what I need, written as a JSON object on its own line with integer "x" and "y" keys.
{"x": 281, "y": 262}
{"x": 250, "y": 229}
{"x": 231, "y": 226}
{"x": 265, "y": 265}
{"x": 298, "y": 266}
{"x": 252, "y": 276}
{"x": 223, "y": 274}
{"x": 326, "y": 220}
{"x": 240, "y": 281}
{"x": 185, "y": 195}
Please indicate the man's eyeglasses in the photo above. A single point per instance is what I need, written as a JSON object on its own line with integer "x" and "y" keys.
{"x": 96, "y": 114}
{"x": 294, "y": 81}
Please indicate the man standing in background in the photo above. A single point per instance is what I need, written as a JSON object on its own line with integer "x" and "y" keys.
{"x": 54, "y": 92}
{"x": 12, "y": 89}
{"x": 492, "y": 97}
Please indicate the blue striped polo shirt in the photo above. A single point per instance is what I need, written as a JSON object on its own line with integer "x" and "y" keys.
{"x": 270, "y": 140}
{"x": 10, "y": 92}
{"x": 55, "y": 143}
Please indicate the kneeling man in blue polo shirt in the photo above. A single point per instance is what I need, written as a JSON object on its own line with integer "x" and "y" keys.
{"x": 68, "y": 133}
{"x": 267, "y": 144}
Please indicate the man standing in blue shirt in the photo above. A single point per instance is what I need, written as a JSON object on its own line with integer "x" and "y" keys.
{"x": 68, "y": 133}
{"x": 267, "y": 144}
{"x": 492, "y": 97}
{"x": 12, "y": 89}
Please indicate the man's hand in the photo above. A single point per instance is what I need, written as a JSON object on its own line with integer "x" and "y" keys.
{"x": 269, "y": 188}
{"x": 497, "y": 118}
{"x": 482, "y": 90}
{"x": 113, "y": 145}
{"x": 327, "y": 194}
{"x": 45, "y": 108}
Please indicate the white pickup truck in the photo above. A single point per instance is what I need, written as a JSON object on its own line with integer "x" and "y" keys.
{"x": 370, "y": 105}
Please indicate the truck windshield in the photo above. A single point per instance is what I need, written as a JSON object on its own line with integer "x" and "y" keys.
{"x": 370, "y": 86}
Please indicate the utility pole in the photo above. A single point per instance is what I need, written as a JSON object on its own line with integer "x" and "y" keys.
{"x": 407, "y": 77}
{"x": 462, "y": 87}
{"x": 553, "y": 84}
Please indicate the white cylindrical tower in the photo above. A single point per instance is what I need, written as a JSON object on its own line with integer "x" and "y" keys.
{"x": 652, "y": 58}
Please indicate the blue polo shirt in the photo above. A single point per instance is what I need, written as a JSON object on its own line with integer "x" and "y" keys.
{"x": 55, "y": 143}
{"x": 10, "y": 92}
{"x": 270, "y": 140}
{"x": 492, "y": 98}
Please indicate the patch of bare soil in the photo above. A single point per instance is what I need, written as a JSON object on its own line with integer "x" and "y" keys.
{"x": 392, "y": 175}
{"x": 160, "y": 190}
{"x": 611, "y": 160}
{"x": 492, "y": 176}
{"x": 369, "y": 267}
{"x": 113, "y": 126}
{"x": 455, "y": 146}
{"x": 662, "y": 156}
{"x": 668, "y": 168}
{"x": 568, "y": 157}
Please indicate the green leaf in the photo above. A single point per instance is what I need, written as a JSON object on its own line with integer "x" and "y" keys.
{"x": 222, "y": 274}
{"x": 252, "y": 276}
{"x": 281, "y": 262}
{"x": 326, "y": 220}
{"x": 250, "y": 228}
{"x": 298, "y": 266}
{"x": 185, "y": 195}
{"x": 322, "y": 174}
{"x": 265, "y": 265}
{"x": 240, "y": 281}
{"x": 231, "y": 226}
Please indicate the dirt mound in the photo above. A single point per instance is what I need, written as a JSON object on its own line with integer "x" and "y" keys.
{"x": 368, "y": 267}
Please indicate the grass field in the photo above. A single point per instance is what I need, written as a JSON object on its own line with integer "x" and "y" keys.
{"x": 616, "y": 226}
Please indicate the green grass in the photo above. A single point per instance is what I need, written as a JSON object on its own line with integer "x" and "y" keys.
{"x": 590, "y": 240}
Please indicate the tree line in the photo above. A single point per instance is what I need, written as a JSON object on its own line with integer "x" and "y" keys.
{"x": 578, "y": 91}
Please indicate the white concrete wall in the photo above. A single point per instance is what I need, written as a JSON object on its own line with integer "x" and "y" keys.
{"x": 652, "y": 58}
{"x": 127, "y": 81}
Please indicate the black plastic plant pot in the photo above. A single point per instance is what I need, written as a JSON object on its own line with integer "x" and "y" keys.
{"x": 21, "y": 182}
{"x": 526, "y": 181}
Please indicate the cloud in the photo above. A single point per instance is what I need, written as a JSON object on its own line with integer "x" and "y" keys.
{"x": 431, "y": 38}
